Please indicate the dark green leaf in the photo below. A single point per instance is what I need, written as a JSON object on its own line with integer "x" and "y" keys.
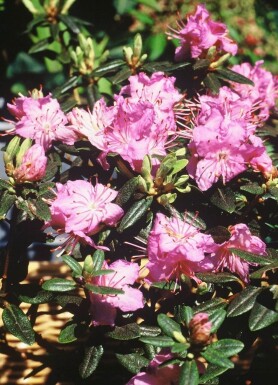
{"x": 224, "y": 199}
{"x": 18, "y": 324}
{"x": 123, "y": 6}
{"x": 201, "y": 64}
{"x": 70, "y": 84}
{"x": 166, "y": 285}
{"x": 227, "y": 347}
{"x": 97, "y": 273}
{"x": 127, "y": 332}
{"x": 217, "y": 317}
{"x": 184, "y": 314}
{"x": 212, "y": 372}
{"x": 126, "y": 191}
{"x": 67, "y": 334}
{"x": 70, "y": 22}
{"x": 244, "y": 301}
{"x": 210, "y": 306}
{"x": 227, "y": 74}
{"x": 133, "y": 362}
{"x": 216, "y": 277}
{"x": 253, "y": 188}
{"x": 42, "y": 210}
{"x": 108, "y": 67}
{"x": 251, "y": 257}
{"x": 161, "y": 341}
{"x": 103, "y": 290}
{"x": 261, "y": 317}
{"x": 258, "y": 273}
{"x": 170, "y": 327}
{"x": 189, "y": 374}
{"x": 122, "y": 75}
{"x": 212, "y": 83}
{"x": 90, "y": 361}
{"x": 73, "y": 264}
{"x": 39, "y": 19}
{"x": 68, "y": 299}
{"x": 149, "y": 331}
{"x": 7, "y": 200}
{"x": 136, "y": 211}
{"x": 215, "y": 357}
{"x": 59, "y": 284}
{"x": 37, "y": 298}
{"x": 180, "y": 349}
{"x": 5, "y": 184}
{"x": 273, "y": 191}
{"x": 164, "y": 66}
{"x": 40, "y": 46}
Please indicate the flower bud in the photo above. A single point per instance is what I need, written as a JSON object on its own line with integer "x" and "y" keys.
{"x": 200, "y": 329}
{"x": 10, "y": 154}
{"x": 33, "y": 165}
{"x": 25, "y": 145}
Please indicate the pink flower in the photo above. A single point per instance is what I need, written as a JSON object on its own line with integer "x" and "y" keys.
{"x": 156, "y": 375}
{"x": 90, "y": 125}
{"x": 223, "y": 142}
{"x": 104, "y": 307}
{"x": 200, "y": 329}
{"x": 33, "y": 165}
{"x": 265, "y": 90}
{"x": 42, "y": 120}
{"x": 175, "y": 247}
{"x": 81, "y": 209}
{"x": 201, "y": 33}
{"x": 241, "y": 238}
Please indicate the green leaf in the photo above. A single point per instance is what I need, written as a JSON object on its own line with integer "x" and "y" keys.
{"x": 215, "y": 357}
{"x": 103, "y": 290}
{"x": 123, "y": 6}
{"x": 127, "y": 190}
{"x": 164, "y": 66}
{"x": 166, "y": 285}
{"x": 258, "y": 273}
{"x": 184, "y": 314}
{"x": 224, "y": 199}
{"x": 212, "y": 83}
{"x": 67, "y": 334}
{"x": 261, "y": 317}
{"x": 108, "y": 67}
{"x": 136, "y": 211}
{"x": 5, "y": 185}
{"x": 40, "y": 46}
{"x": 273, "y": 191}
{"x": 180, "y": 348}
{"x": 133, "y": 362}
{"x": 161, "y": 341}
{"x": 212, "y": 372}
{"x": 227, "y": 347}
{"x": 253, "y": 188}
{"x": 127, "y": 332}
{"x": 59, "y": 284}
{"x": 217, "y": 317}
{"x": 18, "y": 324}
{"x": 227, "y": 74}
{"x": 70, "y": 84}
{"x": 122, "y": 75}
{"x": 7, "y": 200}
{"x": 70, "y": 23}
{"x": 35, "y": 298}
{"x": 170, "y": 327}
{"x": 73, "y": 264}
{"x": 156, "y": 44}
{"x": 201, "y": 65}
{"x": 250, "y": 257}
{"x": 152, "y": 4}
{"x": 97, "y": 273}
{"x": 244, "y": 301}
{"x": 98, "y": 259}
{"x": 210, "y": 306}
{"x": 90, "y": 361}
{"x": 149, "y": 331}
{"x": 216, "y": 277}
{"x": 42, "y": 210}
{"x": 189, "y": 374}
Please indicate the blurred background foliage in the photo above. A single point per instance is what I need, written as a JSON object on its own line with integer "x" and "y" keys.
{"x": 40, "y": 38}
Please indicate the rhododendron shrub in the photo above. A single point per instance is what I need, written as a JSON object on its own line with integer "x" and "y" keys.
{"x": 155, "y": 186}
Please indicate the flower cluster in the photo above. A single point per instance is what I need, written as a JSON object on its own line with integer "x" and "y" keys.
{"x": 199, "y": 34}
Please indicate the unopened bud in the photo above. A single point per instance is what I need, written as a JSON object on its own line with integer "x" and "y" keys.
{"x": 200, "y": 329}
